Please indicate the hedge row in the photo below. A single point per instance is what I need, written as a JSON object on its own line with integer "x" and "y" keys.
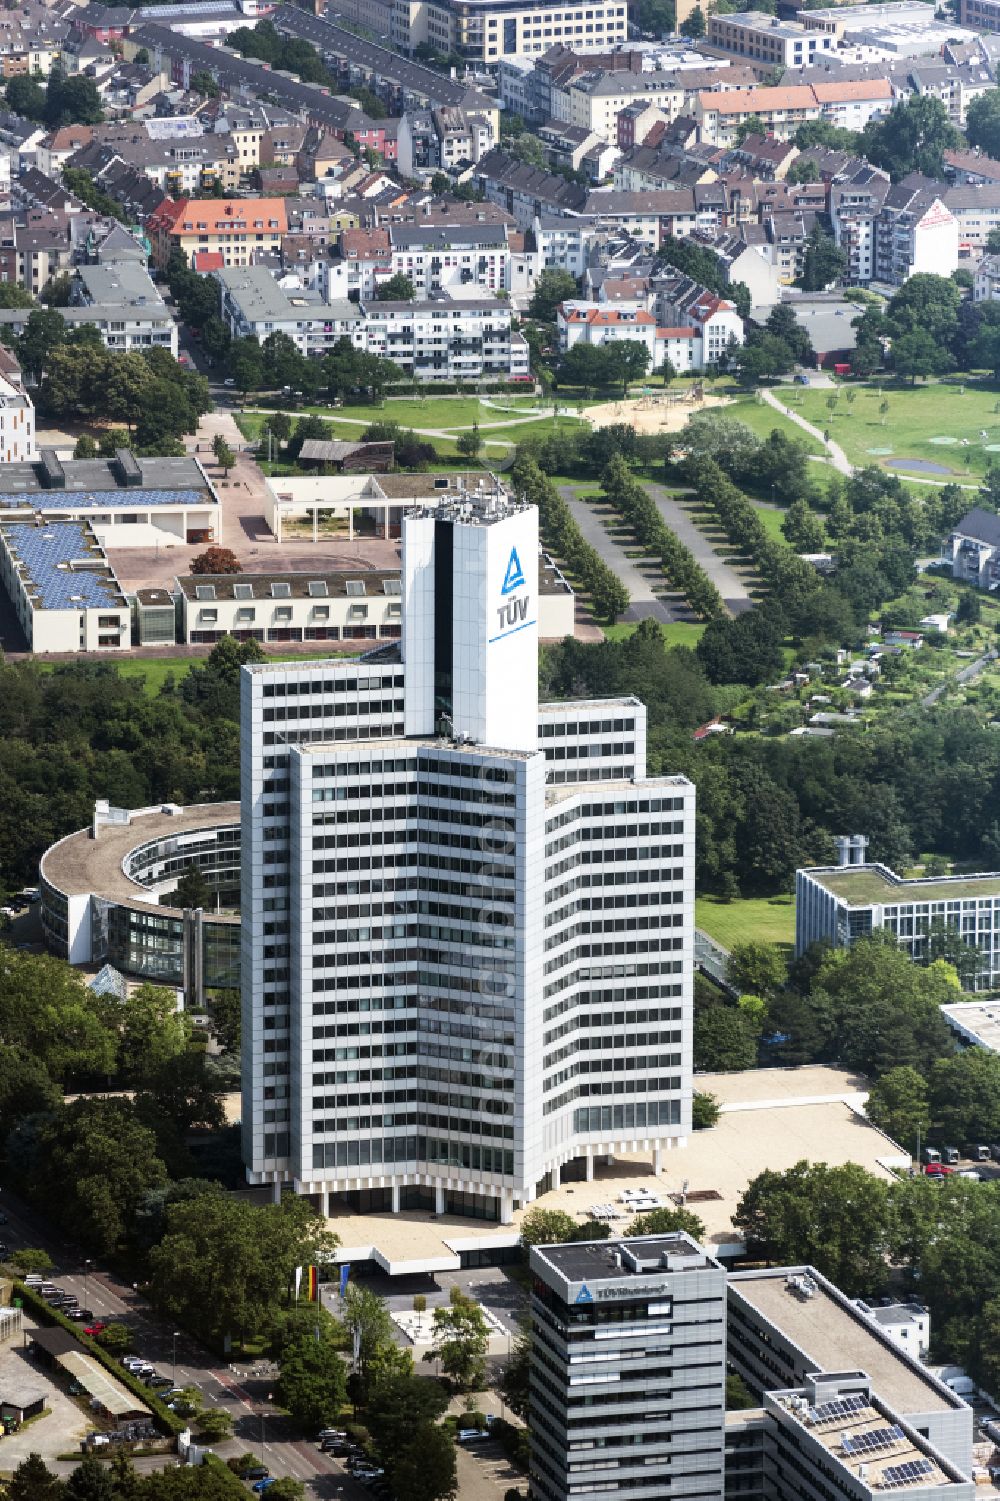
{"x": 777, "y": 563}
{"x": 563, "y": 537}
{"x": 680, "y": 565}
{"x": 167, "y": 1421}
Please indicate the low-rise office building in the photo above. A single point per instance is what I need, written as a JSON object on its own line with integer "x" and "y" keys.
{"x": 765, "y": 39}
{"x": 62, "y": 587}
{"x": 129, "y": 502}
{"x": 105, "y": 895}
{"x": 844, "y": 1443}
{"x": 839, "y": 904}
{"x": 787, "y": 1324}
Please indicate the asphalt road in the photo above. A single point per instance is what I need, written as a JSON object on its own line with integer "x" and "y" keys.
{"x": 239, "y": 1390}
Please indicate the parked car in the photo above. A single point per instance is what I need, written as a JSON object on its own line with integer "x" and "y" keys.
{"x": 938, "y": 1170}
{"x": 95, "y": 1328}
{"x": 262, "y": 1485}
{"x": 256, "y": 1472}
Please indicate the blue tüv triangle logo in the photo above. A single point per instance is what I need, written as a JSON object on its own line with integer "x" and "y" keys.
{"x": 584, "y": 1295}
{"x": 514, "y": 577}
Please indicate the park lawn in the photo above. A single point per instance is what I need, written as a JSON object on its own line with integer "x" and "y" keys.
{"x": 916, "y": 415}
{"x": 674, "y": 632}
{"x": 154, "y": 671}
{"x": 769, "y": 919}
{"x": 771, "y": 521}
{"x": 763, "y": 419}
{"x": 444, "y": 412}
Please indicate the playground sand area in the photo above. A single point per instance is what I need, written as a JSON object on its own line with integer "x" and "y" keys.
{"x": 662, "y": 413}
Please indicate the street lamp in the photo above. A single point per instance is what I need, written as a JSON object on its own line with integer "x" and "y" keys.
{"x": 176, "y": 1332}
{"x": 263, "y": 1415}
{"x": 86, "y": 1278}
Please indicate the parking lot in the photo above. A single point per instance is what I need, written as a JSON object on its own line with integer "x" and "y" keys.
{"x": 60, "y": 1428}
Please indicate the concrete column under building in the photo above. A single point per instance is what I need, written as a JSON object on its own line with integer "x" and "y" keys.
{"x": 506, "y": 1208}
{"x": 657, "y": 1159}
{"x": 555, "y": 1178}
{"x": 276, "y": 1191}
{"x": 590, "y": 1167}
{"x": 324, "y": 1203}
{"x": 439, "y": 1200}
{"x": 394, "y": 1190}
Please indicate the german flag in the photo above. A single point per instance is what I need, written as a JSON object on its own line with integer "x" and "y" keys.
{"x": 311, "y": 1293}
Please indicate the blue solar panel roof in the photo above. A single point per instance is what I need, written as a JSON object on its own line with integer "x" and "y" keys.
{"x": 41, "y": 549}
{"x": 101, "y": 500}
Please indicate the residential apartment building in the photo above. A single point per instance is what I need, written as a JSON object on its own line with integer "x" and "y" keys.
{"x": 782, "y": 110}
{"x": 448, "y": 257}
{"x": 976, "y": 211}
{"x": 442, "y": 339}
{"x": 120, "y": 300}
{"x": 586, "y": 323}
{"x": 981, "y": 15}
{"x": 915, "y": 231}
{"x": 17, "y": 415}
{"x": 235, "y": 228}
{"x": 855, "y": 205}
{"x": 415, "y": 830}
{"x": 595, "y": 100}
{"x": 628, "y": 1369}
{"x": 434, "y": 338}
{"x": 973, "y": 549}
{"x": 986, "y": 286}
{"x": 527, "y": 192}
{"x": 768, "y": 41}
{"x": 839, "y": 904}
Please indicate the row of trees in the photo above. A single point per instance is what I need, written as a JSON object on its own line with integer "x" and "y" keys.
{"x": 943, "y": 1238}
{"x": 609, "y": 595}
{"x": 638, "y": 508}
{"x": 93, "y": 1480}
{"x": 591, "y": 365}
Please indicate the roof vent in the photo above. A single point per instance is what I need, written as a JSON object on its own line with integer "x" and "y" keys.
{"x": 50, "y": 470}
{"x": 127, "y": 467}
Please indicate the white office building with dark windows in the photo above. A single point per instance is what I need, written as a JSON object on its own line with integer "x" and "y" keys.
{"x": 467, "y": 917}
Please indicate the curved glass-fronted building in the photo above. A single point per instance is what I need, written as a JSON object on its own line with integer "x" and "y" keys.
{"x": 103, "y": 890}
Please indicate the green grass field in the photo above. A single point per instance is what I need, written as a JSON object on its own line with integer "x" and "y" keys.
{"x": 916, "y": 416}
{"x": 762, "y": 420}
{"x": 443, "y": 412}
{"x": 154, "y": 671}
{"x": 676, "y": 633}
{"x": 747, "y": 919}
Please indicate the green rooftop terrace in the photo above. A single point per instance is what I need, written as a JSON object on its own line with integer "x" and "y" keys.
{"x": 859, "y": 885}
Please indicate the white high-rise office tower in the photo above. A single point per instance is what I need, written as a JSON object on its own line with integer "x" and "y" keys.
{"x": 467, "y": 916}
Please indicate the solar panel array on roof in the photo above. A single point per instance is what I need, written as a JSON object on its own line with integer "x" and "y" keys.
{"x": 45, "y": 553}
{"x": 101, "y": 500}
{"x": 913, "y": 1469}
{"x": 839, "y": 1409}
{"x": 873, "y": 1439}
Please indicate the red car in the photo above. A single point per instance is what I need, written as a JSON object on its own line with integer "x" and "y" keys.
{"x": 938, "y": 1170}
{"x": 95, "y": 1328}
